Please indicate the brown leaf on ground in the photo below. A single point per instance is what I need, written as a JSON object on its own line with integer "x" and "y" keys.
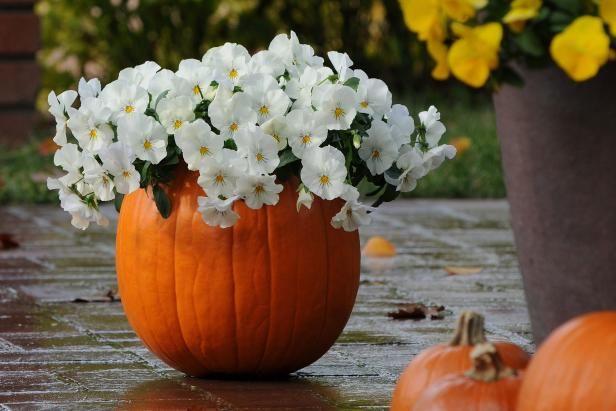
{"x": 463, "y": 270}
{"x": 110, "y": 297}
{"x": 7, "y": 241}
{"x": 47, "y": 146}
{"x": 417, "y": 311}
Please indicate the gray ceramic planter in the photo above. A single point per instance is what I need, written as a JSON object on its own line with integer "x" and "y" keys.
{"x": 558, "y": 140}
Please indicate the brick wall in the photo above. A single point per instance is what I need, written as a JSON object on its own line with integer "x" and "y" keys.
{"x": 19, "y": 73}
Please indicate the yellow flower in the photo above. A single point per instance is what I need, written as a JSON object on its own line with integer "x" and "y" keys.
{"x": 476, "y": 52}
{"x": 425, "y": 18}
{"x": 607, "y": 10}
{"x": 520, "y": 12}
{"x": 582, "y": 48}
{"x": 462, "y": 144}
{"x": 462, "y": 10}
{"x": 438, "y": 52}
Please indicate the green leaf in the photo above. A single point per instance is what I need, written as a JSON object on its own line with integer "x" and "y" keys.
{"x": 230, "y": 144}
{"x": 559, "y": 20}
{"x": 145, "y": 174}
{"x": 117, "y": 202}
{"x": 352, "y": 82}
{"x": 510, "y": 76}
{"x": 162, "y": 201}
{"x": 529, "y": 42}
{"x": 287, "y": 157}
{"x": 160, "y": 97}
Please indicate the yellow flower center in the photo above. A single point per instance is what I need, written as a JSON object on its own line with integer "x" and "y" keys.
{"x": 306, "y": 139}
{"x": 233, "y": 127}
{"x": 276, "y": 137}
{"x": 324, "y": 180}
{"x": 364, "y": 104}
{"x": 196, "y": 90}
{"x": 177, "y": 124}
{"x": 233, "y": 73}
{"x": 93, "y": 133}
{"x": 376, "y": 154}
{"x": 349, "y": 212}
{"x": 125, "y": 173}
{"x": 259, "y": 189}
{"x": 129, "y": 109}
{"x": 259, "y": 156}
{"x": 147, "y": 144}
{"x": 204, "y": 151}
{"x": 263, "y": 110}
{"x": 220, "y": 179}
{"x": 338, "y": 112}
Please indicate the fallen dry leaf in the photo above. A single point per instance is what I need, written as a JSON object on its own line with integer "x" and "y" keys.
{"x": 110, "y": 297}
{"x": 47, "y": 146}
{"x": 463, "y": 270}
{"x": 7, "y": 241}
{"x": 378, "y": 247}
{"x": 417, "y": 311}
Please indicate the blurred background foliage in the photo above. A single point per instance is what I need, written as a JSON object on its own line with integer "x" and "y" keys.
{"x": 97, "y": 38}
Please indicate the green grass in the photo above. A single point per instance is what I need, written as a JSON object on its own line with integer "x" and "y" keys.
{"x": 475, "y": 173}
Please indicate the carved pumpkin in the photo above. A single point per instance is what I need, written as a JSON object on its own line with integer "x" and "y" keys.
{"x": 444, "y": 359}
{"x": 489, "y": 385}
{"x": 574, "y": 368}
{"x": 268, "y": 296}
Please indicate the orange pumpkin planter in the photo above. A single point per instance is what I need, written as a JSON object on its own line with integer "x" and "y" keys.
{"x": 489, "y": 385}
{"x": 268, "y": 296}
{"x": 444, "y": 359}
{"x": 575, "y": 368}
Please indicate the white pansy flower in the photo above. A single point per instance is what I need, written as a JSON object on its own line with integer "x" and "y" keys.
{"x": 90, "y": 88}
{"x": 434, "y": 129}
{"x": 336, "y": 105}
{"x": 304, "y": 199}
{"x": 98, "y": 179}
{"x": 118, "y": 161}
{"x": 341, "y": 63}
{"x": 267, "y": 99}
{"x": 230, "y": 61}
{"x": 324, "y": 172}
{"x": 124, "y": 98}
{"x": 198, "y": 143}
{"x": 411, "y": 163}
{"x": 304, "y": 131}
{"x": 82, "y": 213}
{"x": 293, "y": 54}
{"x": 258, "y": 190}
{"x": 401, "y": 124}
{"x": 230, "y": 113}
{"x": 260, "y": 149}
{"x": 278, "y": 129}
{"x": 166, "y": 83}
{"x": 378, "y": 150}
{"x": 434, "y": 157}
{"x": 70, "y": 159}
{"x": 300, "y": 89}
{"x": 58, "y": 106}
{"x": 174, "y": 112}
{"x": 266, "y": 62}
{"x": 145, "y": 136}
{"x": 353, "y": 214}
{"x": 374, "y": 97}
{"x": 89, "y": 125}
{"x": 219, "y": 176}
{"x": 217, "y": 212}
{"x": 198, "y": 76}
{"x": 140, "y": 75}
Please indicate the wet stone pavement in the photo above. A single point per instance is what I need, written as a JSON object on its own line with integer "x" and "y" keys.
{"x": 57, "y": 354}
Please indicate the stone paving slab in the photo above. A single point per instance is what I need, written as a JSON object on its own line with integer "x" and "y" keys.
{"x": 56, "y": 354}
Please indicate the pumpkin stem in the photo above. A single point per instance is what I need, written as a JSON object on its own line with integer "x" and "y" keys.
{"x": 488, "y": 365}
{"x": 469, "y": 330}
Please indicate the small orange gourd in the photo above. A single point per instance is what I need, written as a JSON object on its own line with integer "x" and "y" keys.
{"x": 444, "y": 359}
{"x": 489, "y": 385}
{"x": 268, "y": 296}
{"x": 575, "y": 367}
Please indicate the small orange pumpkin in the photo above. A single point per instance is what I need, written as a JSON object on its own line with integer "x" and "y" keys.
{"x": 444, "y": 359}
{"x": 489, "y": 385}
{"x": 268, "y": 296}
{"x": 574, "y": 368}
